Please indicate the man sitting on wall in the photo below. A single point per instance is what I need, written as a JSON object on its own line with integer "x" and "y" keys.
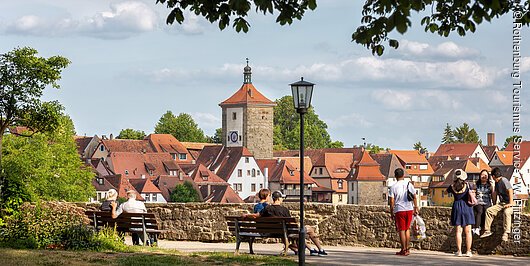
{"x": 504, "y": 190}
{"x": 130, "y": 206}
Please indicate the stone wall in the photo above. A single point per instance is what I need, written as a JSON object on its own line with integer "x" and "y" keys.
{"x": 336, "y": 224}
{"x": 258, "y": 129}
{"x": 371, "y": 192}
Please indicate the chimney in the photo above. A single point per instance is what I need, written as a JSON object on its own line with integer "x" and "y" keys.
{"x": 491, "y": 139}
{"x": 427, "y": 155}
{"x": 111, "y": 136}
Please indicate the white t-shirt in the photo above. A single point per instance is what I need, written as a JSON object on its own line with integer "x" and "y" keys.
{"x": 399, "y": 192}
{"x": 131, "y": 206}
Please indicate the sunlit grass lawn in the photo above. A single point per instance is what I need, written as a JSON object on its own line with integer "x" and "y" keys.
{"x": 137, "y": 256}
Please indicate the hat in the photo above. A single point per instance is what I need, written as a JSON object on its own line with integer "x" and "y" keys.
{"x": 112, "y": 194}
{"x": 460, "y": 174}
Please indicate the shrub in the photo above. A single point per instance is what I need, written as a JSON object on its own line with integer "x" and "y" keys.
{"x": 43, "y": 225}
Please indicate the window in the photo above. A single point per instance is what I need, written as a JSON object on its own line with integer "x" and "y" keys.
{"x": 253, "y": 172}
{"x": 340, "y": 184}
{"x": 150, "y": 172}
{"x": 147, "y": 197}
{"x": 259, "y": 173}
{"x": 102, "y": 148}
{"x": 239, "y": 172}
{"x": 247, "y": 160}
{"x": 100, "y": 181}
{"x": 153, "y": 197}
{"x": 340, "y": 197}
{"x": 248, "y": 172}
{"x": 423, "y": 167}
{"x": 126, "y": 172}
{"x": 234, "y": 115}
{"x": 252, "y": 187}
{"x": 320, "y": 170}
{"x": 174, "y": 156}
{"x": 183, "y": 156}
{"x": 260, "y": 186}
{"x": 384, "y": 196}
{"x": 238, "y": 187}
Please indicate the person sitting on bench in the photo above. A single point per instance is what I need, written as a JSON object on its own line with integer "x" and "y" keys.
{"x": 130, "y": 206}
{"x": 277, "y": 210}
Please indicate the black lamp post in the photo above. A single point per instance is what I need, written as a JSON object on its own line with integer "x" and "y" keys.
{"x": 302, "y": 92}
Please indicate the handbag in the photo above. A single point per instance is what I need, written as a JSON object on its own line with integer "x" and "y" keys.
{"x": 471, "y": 196}
{"x": 410, "y": 195}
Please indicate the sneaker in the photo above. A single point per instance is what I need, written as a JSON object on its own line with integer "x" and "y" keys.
{"x": 469, "y": 254}
{"x": 314, "y": 252}
{"x": 322, "y": 253}
{"x": 486, "y": 234}
{"x": 476, "y": 231}
{"x": 505, "y": 237}
{"x": 458, "y": 254}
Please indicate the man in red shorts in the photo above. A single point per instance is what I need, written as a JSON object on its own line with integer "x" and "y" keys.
{"x": 402, "y": 209}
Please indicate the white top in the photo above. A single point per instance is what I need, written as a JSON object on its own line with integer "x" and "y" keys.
{"x": 131, "y": 206}
{"x": 398, "y": 191}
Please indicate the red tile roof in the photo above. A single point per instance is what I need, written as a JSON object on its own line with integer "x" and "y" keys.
{"x": 102, "y": 187}
{"x": 122, "y": 185}
{"x": 167, "y": 143}
{"x": 388, "y": 163}
{"x": 524, "y": 151}
{"x": 202, "y": 175}
{"x": 339, "y": 165}
{"x": 490, "y": 151}
{"x": 144, "y": 186}
{"x": 136, "y": 163}
{"x": 127, "y": 145}
{"x": 223, "y": 160}
{"x": 295, "y": 161}
{"x": 463, "y": 150}
{"x": 506, "y": 157}
{"x": 82, "y": 143}
{"x": 410, "y": 156}
{"x": 318, "y": 156}
{"x": 367, "y": 170}
{"x": 247, "y": 94}
{"x": 283, "y": 172}
{"x": 221, "y": 194}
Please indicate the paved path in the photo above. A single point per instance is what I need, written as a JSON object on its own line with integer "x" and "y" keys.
{"x": 345, "y": 255}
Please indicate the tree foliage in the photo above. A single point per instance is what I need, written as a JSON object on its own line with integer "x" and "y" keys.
{"x": 184, "y": 193}
{"x": 45, "y": 166}
{"x": 182, "y": 127}
{"x": 130, "y": 133}
{"x": 379, "y": 17}
{"x": 462, "y": 134}
{"x": 217, "y": 137}
{"x": 510, "y": 139}
{"x": 419, "y": 147}
{"x": 23, "y": 78}
{"x": 375, "y": 149}
{"x": 287, "y": 128}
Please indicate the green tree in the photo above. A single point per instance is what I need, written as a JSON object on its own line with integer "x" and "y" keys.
{"x": 45, "y": 166}
{"x": 23, "y": 78}
{"x": 287, "y": 127}
{"x": 217, "y": 137}
{"x": 510, "y": 139}
{"x": 182, "y": 127}
{"x": 379, "y": 17}
{"x": 448, "y": 136}
{"x": 130, "y": 133}
{"x": 184, "y": 193}
{"x": 464, "y": 134}
{"x": 374, "y": 149}
{"x": 419, "y": 147}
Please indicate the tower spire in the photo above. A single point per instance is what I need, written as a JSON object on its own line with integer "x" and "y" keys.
{"x": 247, "y": 74}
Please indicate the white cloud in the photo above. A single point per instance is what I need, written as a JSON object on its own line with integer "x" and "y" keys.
{"x": 464, "y": 74}
{"x": 525, "y": 64}
{"x": 448, "y": 50}
{"x": 123, "y": 20}
{"x": 419, "y": 100}
{"x": 207, "y": 120}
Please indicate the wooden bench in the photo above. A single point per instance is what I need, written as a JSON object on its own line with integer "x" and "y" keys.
{"x": 248, "y": 229}
{"x": 140, "y": 223}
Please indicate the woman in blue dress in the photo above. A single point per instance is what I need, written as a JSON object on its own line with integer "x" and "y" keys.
{"x": 462, "y": 216}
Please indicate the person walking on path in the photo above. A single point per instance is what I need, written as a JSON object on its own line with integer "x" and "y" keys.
{"x": 401, "y": 209}
{"x": 504, "y": 190}
{"x": 485, "y": 187}
{"x": 462, "y": 216}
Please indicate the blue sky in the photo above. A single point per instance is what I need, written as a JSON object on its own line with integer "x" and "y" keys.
{"x": 128, "y": 68}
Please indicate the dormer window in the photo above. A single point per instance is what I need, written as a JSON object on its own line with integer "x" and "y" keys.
{"x": 100, "y": 181}
{"x": 126, "y": 172}
{"x": 183, "y": 156}
{"x": 339, "y": 183}
{"x": 247, "y": 160}
{"x": 291, "y": 172}
{"x": 174, "y": 156}
{"x": 102, "y": 148}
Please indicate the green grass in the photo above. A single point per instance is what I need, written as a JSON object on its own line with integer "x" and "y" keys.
{"x": 136, "y": 256}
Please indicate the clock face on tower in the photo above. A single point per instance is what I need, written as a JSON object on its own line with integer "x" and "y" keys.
{"x": 233, "y": 137}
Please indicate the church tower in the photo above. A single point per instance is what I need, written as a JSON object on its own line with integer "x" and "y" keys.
{"x": 248, "y": 119}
